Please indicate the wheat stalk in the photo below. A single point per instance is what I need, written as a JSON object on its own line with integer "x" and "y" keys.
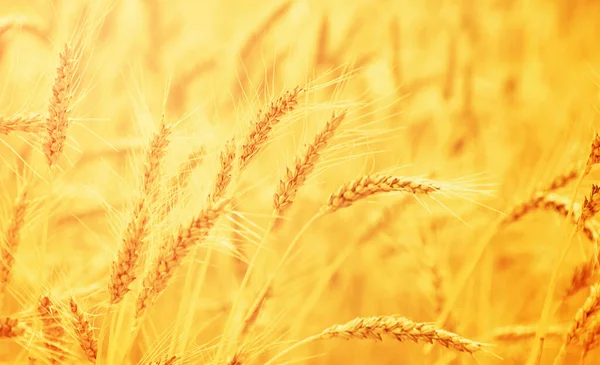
{"x": 83, "y": 330}
{"x": 12, "y": 238}
{"x": 369, "y": 185}
{"x": 57, "y": 121}
{"x": 124, "y": 268}
{"x": 396, "y": 327}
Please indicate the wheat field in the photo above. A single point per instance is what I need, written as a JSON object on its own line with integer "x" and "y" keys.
{"x": 299, "y": 182}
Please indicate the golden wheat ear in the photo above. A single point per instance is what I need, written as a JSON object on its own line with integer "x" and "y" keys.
{"x": 366, "y": 186}
{"x": 83, "y": 331}
{"x": 27, "y": 123}
{"x": 395, "y": 327}
{"x": 124, "y": 267}
{"x": 63, "y": 90}
{"x": 173, "y": 252}
{"x": 12, "y": 238}
{"x": 296, "y": 177}
{"x": 260, "y": 130}
{"x": 53, "y": 331}
{"x": 590, "y": 307}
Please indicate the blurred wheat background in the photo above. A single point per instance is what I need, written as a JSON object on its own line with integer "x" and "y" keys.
{"x": 492, "y": 105}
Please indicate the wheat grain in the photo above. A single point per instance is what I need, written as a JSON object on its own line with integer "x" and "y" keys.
{"x": 10, "y": 328}
{"x": 369, "y": 185}
{"x": 305, "y": 164}
{"x": 12, "y": 238}
{"x": 28, "y": 123}
{"x": 57, "y": 121}
{"x": 83, "y": 330}
{"x": 124, "y": 268}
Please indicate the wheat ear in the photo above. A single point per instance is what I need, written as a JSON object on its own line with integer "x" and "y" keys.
{"x": 581, "y": 277}
{"x": 551, "y": 202}
{"x": 180, "y": 181}
{"x": 590, "y": 307}
{"x": 173, "y": 252}
{"x": 12, "y": 238}
{"x": 562, "y": 180}
{"x": 366, "y": 186}
{"x": 124, "y": 268}
{"x": 396, "y": 327}
{"x": 83, "y": 330}
{"x": 523, "y": 332}
{"x": 536, "y": 350}
{"x": 305, "y": 164}
{"x": 226, "y": 165}
{"x": 266, "y": 120}
{"x": 10, "y": 328}
{"x": 57, "y": 121}
{"x": 590, "y": 207}
{"x": 52, "y": 329}
{"x": 28, "y": 123}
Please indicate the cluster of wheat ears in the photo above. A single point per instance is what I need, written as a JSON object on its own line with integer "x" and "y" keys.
{"x": 157, "y": 242}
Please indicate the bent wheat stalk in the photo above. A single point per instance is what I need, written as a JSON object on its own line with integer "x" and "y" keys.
{"x": 396, "y": 327}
